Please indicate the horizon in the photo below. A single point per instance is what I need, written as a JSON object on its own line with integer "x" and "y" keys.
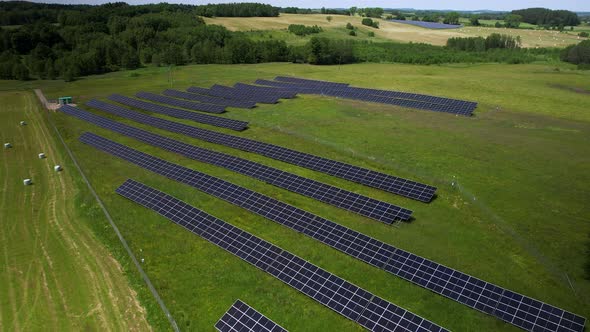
{"x": 457, "y": 5}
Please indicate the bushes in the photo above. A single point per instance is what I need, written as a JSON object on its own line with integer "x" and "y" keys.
{"x": 352, "y": 33}
{"x": 577, "y": 54}
{"x": 371, "y": 34}
{"x": 369, "y": 22}
{"x": 479, "y": 44}
{"x": 583, "y": 34}
{"x": 302, "y": 30}
{"x": 349, "y": 26}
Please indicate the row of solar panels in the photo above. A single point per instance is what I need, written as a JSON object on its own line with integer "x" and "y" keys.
{"x": 392, "y": 184}
{"x": 483, "y": 296}
{"x": 363, "y": 205}
{"x": 347, "y": 299}
{"x": 218, "y": 97}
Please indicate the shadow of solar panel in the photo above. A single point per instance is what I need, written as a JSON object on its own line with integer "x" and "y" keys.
{"x": 210, "y": 108}
{"x": 181, "y": 114}
{"x": 241, "y": 317}
{"x": 396, "y": 185}
{"x": 502, "y": 303}
{"x": 328, "y": 289}
{"x": 363, "y": 205}
{"x": 209, "y": 99}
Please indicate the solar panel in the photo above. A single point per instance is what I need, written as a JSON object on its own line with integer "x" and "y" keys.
{"x": 245, "y": 95}
{"x": 202, "y": 118}
{"x": 363, "y": 205}
{"x": 412, "y": 100}
{"x": 347, "y": 299}
{"x": 298, "y": 80}
{"x": 514, "y": 308}
{"x": 233, "y": 94}
{"x": 210, "y": 108}
{"x": 397, "y": 94}
{"x": 376, "y": 96}
{"x": 243, "y": 318}
{"x": 209, "y": 99}
{"x": 178, "y": 113}
{"x": 281, "y": 93}
{"x": 389, "y": 183}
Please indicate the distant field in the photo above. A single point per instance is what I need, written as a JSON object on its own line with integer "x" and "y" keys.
{"x": 388, "y": 30}
{"x": 55, "y": 274}
{"x": 518, "y": 216}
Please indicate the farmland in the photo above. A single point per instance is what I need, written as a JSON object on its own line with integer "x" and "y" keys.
{"x": 388, "y": 31}
{"x": 56, "y": 274}
{"x": 516, "y": 214}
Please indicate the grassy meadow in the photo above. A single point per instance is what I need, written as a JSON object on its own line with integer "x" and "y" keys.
{"x": 56, "y": 275}
{"x": 388, "y": 31}
{"x": 516, "y": 216}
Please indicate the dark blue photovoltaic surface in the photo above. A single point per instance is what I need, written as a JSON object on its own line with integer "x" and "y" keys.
{"x": 209, "y": 99}
{"x": 363, "y": 205}
{"x": 243, "y": 318}
{"x": 514, "y": 308}
{"x": 341, "y": 90}
{"x": 347, "y": 299}
{"x": 389, "y": 183}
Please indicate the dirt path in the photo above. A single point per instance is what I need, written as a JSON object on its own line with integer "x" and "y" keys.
{"x": 58, "y": 276}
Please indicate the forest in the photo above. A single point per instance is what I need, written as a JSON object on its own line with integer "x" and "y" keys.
{"x": 547, "y": 17}
{"x": 66, "y": 42}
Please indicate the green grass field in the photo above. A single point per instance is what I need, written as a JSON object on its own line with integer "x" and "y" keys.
{"x": 55, "y": 273}
{"x": 518, "y": 216}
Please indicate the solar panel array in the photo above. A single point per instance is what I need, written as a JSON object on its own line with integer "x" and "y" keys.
{"x": 363, "y": 205}
{"x": 389, "y": 183}
{"x": 176, "y": 112}
{"x": 209, "y": 99}
{"x": 231, "y": 94}
{"x": 202, "y": 118}
{"x": 514, "y": 308}
{"x": 209, "y": 108}
{"x": 243, "y": 318}
{"x": 281, "y": 93}
{"x": 349, "y": 300}
{"x": 403, "y": 99}
{"x": 246, "y": 95}
{"x": 429, "y": 25}
{"x": 298, "y": 80}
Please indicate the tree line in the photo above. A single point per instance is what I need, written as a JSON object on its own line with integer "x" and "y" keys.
{"x": 303, "y": 30}
{"x": 99, "y": 39}
{"x": 480, "y": 44}
{"x": 243, "y": 9}
{"x": 548, "y": 17}
{"x": 324, "y": 51}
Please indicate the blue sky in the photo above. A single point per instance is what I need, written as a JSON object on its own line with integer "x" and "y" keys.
{"x": 575, "y": 5}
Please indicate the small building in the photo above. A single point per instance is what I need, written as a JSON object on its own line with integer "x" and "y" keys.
{"x": 41, "y": 155}
{"x": 22, "y": 123}
{"x": 57, "y": 168}
{"x": 64, "y": 100}
{"x": 27, "y": 182}
{"x": 7, "y": 145}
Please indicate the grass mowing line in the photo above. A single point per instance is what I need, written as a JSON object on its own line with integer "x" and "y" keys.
{"x": 116, "y": 229}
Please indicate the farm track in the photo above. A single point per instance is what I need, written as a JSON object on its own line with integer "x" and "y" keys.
{"x": 58, "y": 276}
